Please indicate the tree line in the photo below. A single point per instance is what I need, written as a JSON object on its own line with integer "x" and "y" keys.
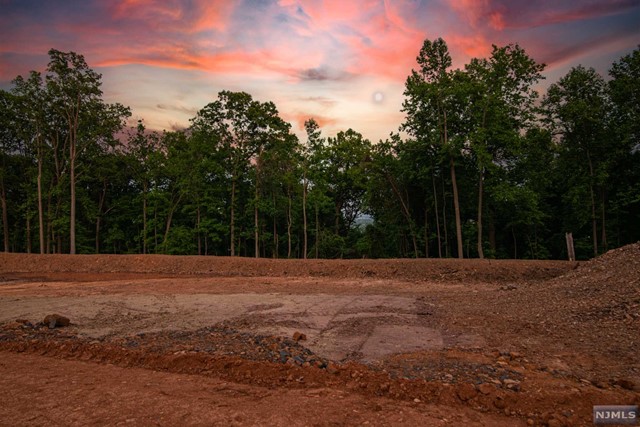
{"x": 481, "y": 167}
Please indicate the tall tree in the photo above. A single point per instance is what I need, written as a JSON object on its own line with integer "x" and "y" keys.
{"x": 432, "y": 107}
{"x": 347, "y": 157}
{"x": 76, "y": 96}
{"x": 576, "y": 108}
{"x": 501, "y": 107}
{"x": 31, "y": 102}
{"x": 624, "y": 126}
{"x": 243, "y": 128}
{"x": 8, "y": 146}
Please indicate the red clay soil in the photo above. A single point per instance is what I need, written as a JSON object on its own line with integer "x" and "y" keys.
{"x": 522, "y": 342}
{"x": 117, "y": 266}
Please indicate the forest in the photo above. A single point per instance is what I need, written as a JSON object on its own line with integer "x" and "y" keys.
{"x": 482, "y": 167}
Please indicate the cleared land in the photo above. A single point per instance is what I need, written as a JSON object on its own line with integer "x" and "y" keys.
{"x": 209, "y": 341}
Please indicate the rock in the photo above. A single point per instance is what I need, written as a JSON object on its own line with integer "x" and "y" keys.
{"x": 626, "y": 384}
{"x": 298, "y": 336}
{"x": 12, "y": 325}
{"x": 499, "y": 403}
{"x": 509, "y": 383}
{"x": 530, "y": 422}
{"x": 554, "y": 423}
{"x": 416, "y": 400}
{"x": 486, "y": 388}
{"x": 56, "y": 321}
{"x": 466, "y": 392}
{"x": 332, "y": 369}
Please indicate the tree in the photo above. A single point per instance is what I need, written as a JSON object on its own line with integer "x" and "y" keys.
{"x": 77, "y": 98}
{"x": 313, "y": 140}
{"x": 432, "y": 106}
{"x": 8, "y": 145}
{"x": 243, "y": 129}
{"x": 624, "y": 127}
{"x": 501, "y": 108}
{"x": 31, "y": 103}
{"x": 140, "y": 146}
{"x": 347, "y": 156}
{"x": 576, "y": 110}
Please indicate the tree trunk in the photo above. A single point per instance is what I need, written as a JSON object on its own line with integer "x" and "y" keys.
{"x": 289, "y": 225}
{"x": 155, "y": 227}
{"x": 72, "y": 213}
{"x": 405, "y": 212}
{"x": 198, "y": 230}
{"x": 232, "y": 220}
{"x": 304, "y": 215}
{"x": 275, "y": 229}
{"x": 73, "y": 141}
{"x": 435, "y": 201}
{"x": 456, "y": 207}
{"x": 40, "y": 208}
{"x": 603, "y": 238}
{"x": 426, "y": 229}
{"x": 480, "y": 191}
{"x": 172, "y": 209}
{"x": 99, "y": 216}
{"x": 447, "y": 251}
{"x": 28, "y": 233}
{"x": 50, "y": 238}
{"x": 5, "y": 217}
{"x": 144, "y": 217}
{"x": 256, "y": 224}
{"x": 317, "y": 230}
{"x": 594, "y": 224}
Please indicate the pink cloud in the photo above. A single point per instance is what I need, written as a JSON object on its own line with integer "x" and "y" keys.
{"x": 170, "y": 15}
{"x": 298, "y": 118}
{"x": 518, "y": 14}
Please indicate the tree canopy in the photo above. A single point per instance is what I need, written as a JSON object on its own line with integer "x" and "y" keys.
{"x": 482, "y": 166}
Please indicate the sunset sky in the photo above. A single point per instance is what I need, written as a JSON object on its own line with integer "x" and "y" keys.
{"x": 342, "y": 62}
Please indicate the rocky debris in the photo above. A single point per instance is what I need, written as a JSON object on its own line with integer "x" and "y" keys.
{"x": 56, "y": 321}
{"x": 511, "y": 384}
{"x": 486, "y": 388}
{"x": 298, "y": 336}
{"x": 409, "y": 269}
{"x": 466, "y": 392}
{"x": 508, "y": 288}
{"x": 627, "y": 384}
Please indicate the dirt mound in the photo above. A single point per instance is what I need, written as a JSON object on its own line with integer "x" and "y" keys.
{"x": 398, "y": 269}
{"x": 606, "y": 288}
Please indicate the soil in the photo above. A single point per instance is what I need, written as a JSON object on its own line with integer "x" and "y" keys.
{"x": 162, "y": 340}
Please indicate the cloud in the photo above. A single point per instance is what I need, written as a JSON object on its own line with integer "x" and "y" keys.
{"x": 298, "y": 118}
{"x": 321, "y": 100}
{"x": 179, "y": 108}
{"x": 322, "y": 74}
{"x": 322, "y": 58}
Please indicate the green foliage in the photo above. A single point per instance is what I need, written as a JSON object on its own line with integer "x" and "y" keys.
{"x": 485, "y": 170}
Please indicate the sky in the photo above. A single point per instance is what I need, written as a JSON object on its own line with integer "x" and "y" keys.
{"x": 341, "y": 62}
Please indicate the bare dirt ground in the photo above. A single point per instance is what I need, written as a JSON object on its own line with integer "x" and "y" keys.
{"x": 159, "y": 340}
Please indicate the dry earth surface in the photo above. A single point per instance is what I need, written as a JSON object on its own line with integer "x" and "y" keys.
{"x": 160, "y": 340}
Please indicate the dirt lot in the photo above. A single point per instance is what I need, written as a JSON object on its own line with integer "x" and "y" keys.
{"x": 158, "y": 340}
